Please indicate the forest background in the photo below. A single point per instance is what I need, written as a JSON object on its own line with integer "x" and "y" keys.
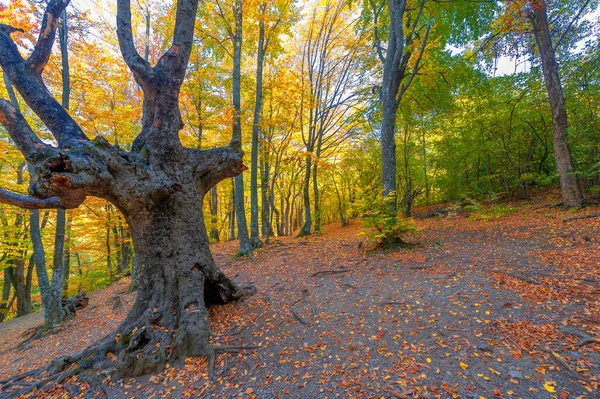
{"x": 473, "y": 124}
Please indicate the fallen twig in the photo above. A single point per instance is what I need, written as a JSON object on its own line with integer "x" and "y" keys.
{"x": 330, "y": 272}
{"x": 300, "y": 319}
{"x": 523, "y": 278}
{"x": 591, "y": 215}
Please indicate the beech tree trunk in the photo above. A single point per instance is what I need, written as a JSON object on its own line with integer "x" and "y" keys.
{"x": 240, "y": 208}
{"x": 305, "y": 230}
{"x": 178, "y": 279}
{"x": 571, "y": 192}
{"x": 260, "y": 59}
{"x": 214, "y": 211}
{"x": 398, "y": 75}
{"x": 158, "y": 186}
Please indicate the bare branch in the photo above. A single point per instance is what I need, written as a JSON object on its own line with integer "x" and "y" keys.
{"x": 228, "y": 26}
{"x": 416, "y": 66}
{"x": 24, "y": 201}
{"x": 22, "y": 134}
{"x": 141, "y": 68}
{"x": 25, "y": 76}
{"x": 568, "y": 28}
{"x": 41, "y": 53}
{"x": 377, "y": 39}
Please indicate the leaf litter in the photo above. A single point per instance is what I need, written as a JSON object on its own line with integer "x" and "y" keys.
{"x": 478, "y": 308}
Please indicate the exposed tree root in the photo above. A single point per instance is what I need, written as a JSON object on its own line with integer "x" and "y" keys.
{"x": 584, "y": 339}
{"x": 330, "y": 272}
{"x": 300, "y": 319}
{"x": 213, "y": 351}
{"x": 563, "y": 363}
{"x": 139, "y": 346}
{"x": 392, "y": 244}
{"x": 518, "y": 277}
{"x": 256, "y": 242}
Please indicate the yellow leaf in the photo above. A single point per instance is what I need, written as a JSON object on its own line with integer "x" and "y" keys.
{"x": 549, "y": 386}
{"x": 428, "y": 360}
{"x": 463, "y": 366}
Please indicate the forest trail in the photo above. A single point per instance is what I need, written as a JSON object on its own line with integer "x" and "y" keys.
{"x": 483, "y": 306}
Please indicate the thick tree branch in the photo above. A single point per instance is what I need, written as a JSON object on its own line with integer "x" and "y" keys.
{"x": 19, "y": 130}
{"x": 217, "y": 164}
{"x": 23, "y": 201}
{"x": 41, "y": 53}
{"x": 25, "y": 76}
{"x": 141, "y": 68}
{"x": 176, "y": 59}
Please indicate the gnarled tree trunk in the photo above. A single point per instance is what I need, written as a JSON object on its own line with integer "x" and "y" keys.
{"x": 178, "y": 279}
{"x": 158, "y": 186}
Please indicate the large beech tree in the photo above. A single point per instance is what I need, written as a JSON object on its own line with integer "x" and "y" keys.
{"x": 158, "y": 186}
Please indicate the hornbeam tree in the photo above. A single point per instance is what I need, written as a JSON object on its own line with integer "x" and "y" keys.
{"x": 158, "y": 186}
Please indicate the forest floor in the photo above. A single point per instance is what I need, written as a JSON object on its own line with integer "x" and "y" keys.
{"x": 489, "y": 305}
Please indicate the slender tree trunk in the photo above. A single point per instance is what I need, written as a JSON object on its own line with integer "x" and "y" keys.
{"x": 571, "y": 192}
{"x": 305, "y": 230}
{"x": 147, "y": 46}
{"x": 266, "y": 201}
{"x": 40, "y": 261}
{"x": 125, "y": 245}
{"x": 23, "y": 294}
{"x": 134, "y": 272}
{"x": 286, "y": 214}
{"x": 260, "y": 58}
{"x": 316, "y": 199}
{"x": 56, "y": 312}
{"x": 232, "y": 214}
{"x": 80, "y": 272}
{"x": 67, "y": 255}
{"x": 214, "y": 212}
{"x": 5, "y": 304}
{"x": 107, "y": 229}
{"x": 61, "y": 217}
{"x": 240, "y": 212}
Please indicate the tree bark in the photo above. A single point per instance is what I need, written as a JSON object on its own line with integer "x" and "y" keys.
{"x": 570, "y": 189}
{"x": 240, "y": 211}
{"x": 397, "y": 77}
{"x": 260, "y": 59}
{"x": 214, "y": 212}
{"x": 305, "y": 230}
{"x": 40, "y": 261}
{"x": 22, "y": 292}
{"x": 61, "y": 218}
{"x": 266, "y": 210}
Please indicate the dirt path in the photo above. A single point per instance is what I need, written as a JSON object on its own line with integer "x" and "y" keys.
{"x": 470, "y": 312}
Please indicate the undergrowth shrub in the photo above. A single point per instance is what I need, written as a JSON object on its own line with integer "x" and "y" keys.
{"x": 383, "y": 227}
